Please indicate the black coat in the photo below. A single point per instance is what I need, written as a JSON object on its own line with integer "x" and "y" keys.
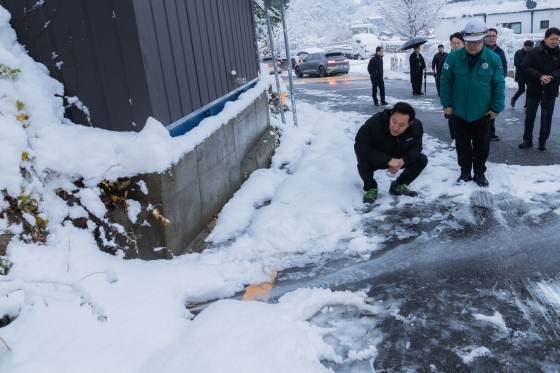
{"x": 417, "y": 64}
{"x": 517, "y": 61}
{"x": 500, "y": 52}
{"x": 541, "y": 61}
{"x": 438, "y": 57}
{"x": 375, "y": 67}
{"x": 375, "y": 144}
{"x": 440, "y": 68}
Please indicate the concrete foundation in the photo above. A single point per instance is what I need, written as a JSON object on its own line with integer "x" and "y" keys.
{"x": 190, "y": 192}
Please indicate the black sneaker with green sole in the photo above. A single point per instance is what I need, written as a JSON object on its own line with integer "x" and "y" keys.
{"x": 370, "y": 196}
{"x": 401, "y": 190}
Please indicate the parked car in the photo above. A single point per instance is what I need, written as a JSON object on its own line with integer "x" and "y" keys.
{"x": 267, "y": 60}
{"x": 323, "y": 64}
{"x": 302, "y": 53}
{"x": 363, "y": 46}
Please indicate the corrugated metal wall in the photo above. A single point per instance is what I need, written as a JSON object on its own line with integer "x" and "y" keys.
{"x": 130, "y": 59}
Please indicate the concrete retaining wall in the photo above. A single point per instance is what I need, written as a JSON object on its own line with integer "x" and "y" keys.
{"x": 198, "y": 186}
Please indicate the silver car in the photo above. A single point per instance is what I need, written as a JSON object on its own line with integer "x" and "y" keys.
{"x": 323, "y": 64}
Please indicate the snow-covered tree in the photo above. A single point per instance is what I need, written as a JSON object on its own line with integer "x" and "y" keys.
{"x": 261, "y": 28}
{"x": 313, "y": 23}
{"x": 410, "y": 17}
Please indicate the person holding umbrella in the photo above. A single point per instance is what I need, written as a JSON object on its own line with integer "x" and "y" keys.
{"x": 472, "y": 88}
{"x": 417, "y": 67}
{"x": 542, "y": 69}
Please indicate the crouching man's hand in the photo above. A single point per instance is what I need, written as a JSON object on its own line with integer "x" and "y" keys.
{"x": 395, "y": 165}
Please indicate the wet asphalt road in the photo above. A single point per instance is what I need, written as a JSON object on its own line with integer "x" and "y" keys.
{"x": 509, "y": 124}
{"x": 445, "y": 287}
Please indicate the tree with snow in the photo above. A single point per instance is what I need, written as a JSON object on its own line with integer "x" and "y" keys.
{"x": 261, "y": 27}
{"x": 410, "y": 17}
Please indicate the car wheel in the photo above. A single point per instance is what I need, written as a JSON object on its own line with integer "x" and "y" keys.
{"x": 322, "y": 72}
{"x": 299, "y": 74}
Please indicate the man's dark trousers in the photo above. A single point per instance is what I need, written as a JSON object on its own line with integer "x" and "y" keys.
{"x": 519, "y": 92}
{"x": 451, "y": 125}
{"x": 416, "y": 80}
{"x": 376, "y": 82}
{"x": 410, "y": 173}
{"x": 530, "y": 115}
{"x": 472, "y": 156}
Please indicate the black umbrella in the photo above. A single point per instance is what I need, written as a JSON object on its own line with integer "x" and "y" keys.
{"x": 413, "y": 43}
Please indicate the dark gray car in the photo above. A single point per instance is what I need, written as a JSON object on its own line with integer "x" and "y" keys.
{"x": 323, "y": 64}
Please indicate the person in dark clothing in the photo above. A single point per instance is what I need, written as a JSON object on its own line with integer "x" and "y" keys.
{"x": 541, "y": 66}
{"x": 456, "y": 41}
{"x": 390, "y": 140}
{"x": 491, "y": 39}
{"x": 417, "y": 67}
{"x": 438, "y": 57}
{"x": 375, "y": 70}
{"x": 519, "y": 76}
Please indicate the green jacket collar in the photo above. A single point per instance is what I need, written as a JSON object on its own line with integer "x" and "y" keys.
{"x": 483, "y": 56}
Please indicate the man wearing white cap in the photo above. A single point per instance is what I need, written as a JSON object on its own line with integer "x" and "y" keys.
{"x": 472, "y": 87}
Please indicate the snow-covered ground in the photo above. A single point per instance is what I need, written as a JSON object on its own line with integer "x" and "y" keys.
{"x": 78, "y": 309}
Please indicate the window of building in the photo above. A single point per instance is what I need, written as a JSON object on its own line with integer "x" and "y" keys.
{"x": 515, "y": 26}
{"x": 544, "y": 24}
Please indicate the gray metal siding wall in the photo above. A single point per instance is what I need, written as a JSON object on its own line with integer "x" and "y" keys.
{"x": 199, "y": 43}
{"x": 101, "y": 55}
{"x": 166, "y": 57}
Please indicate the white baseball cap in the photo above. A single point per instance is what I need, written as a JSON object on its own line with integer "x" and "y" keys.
{"x": 475, "y": 30}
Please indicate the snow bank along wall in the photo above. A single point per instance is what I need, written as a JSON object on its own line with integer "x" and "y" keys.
{"x": 203, "y": 181}
{"x": 129, "y": 60}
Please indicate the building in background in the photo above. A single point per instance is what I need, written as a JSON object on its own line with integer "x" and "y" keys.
{"x": 128, "y": 60}
{"x": 519, "y": 15}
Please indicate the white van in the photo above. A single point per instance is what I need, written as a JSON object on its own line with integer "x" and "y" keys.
{"x": 363, "y": 46}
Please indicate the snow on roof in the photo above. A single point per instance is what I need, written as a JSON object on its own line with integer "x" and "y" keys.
{"x": 504, "y": 6}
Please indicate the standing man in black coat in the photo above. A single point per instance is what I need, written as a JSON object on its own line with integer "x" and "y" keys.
{"x": 390, "y": 140}
{"x": 456, "y": 41}
{"x": 542, "y": 69}
{"x": 417, "y": 67}
{"x": 519, "y": 76}
{"x": 375, "y": 70}
{"x": 491, "y": 39}
{"x": 436, "y": 61}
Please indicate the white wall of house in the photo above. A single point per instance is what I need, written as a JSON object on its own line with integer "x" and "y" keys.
{"x": 552, "y": 16}
{"x": 448, "y": 26}
{"x": 493, "y": 20}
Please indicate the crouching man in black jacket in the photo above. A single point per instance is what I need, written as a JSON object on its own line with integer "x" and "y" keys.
{"x": 391, "y": 140}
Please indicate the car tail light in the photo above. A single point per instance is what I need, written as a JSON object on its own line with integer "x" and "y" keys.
{"x": 268, "y": 64}
{"x": 345, "y": 60}
{"x": 331, "y": 61}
